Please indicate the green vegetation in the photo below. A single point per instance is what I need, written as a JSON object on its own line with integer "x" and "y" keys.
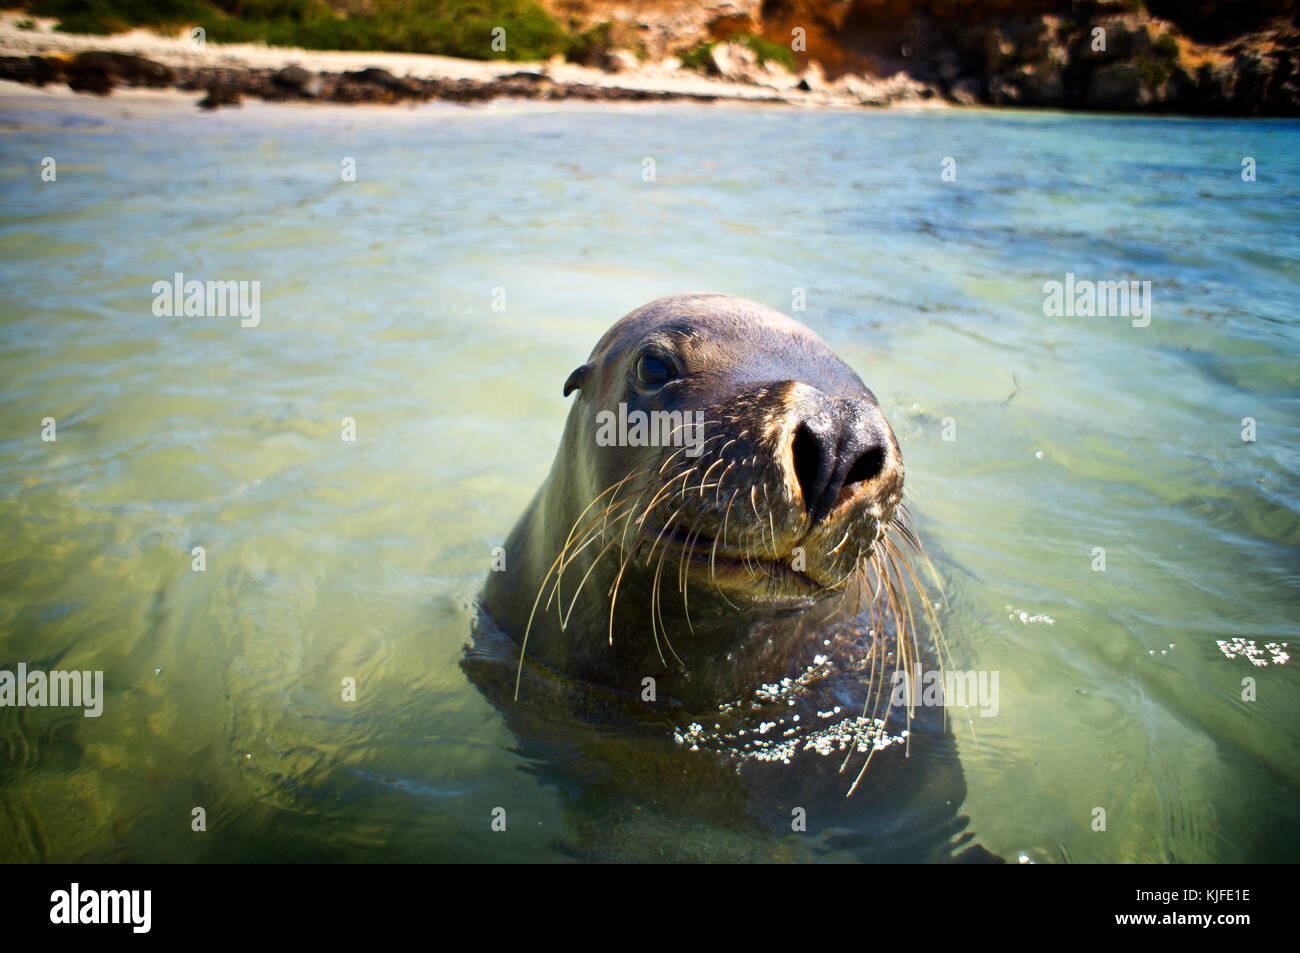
{"x": 697, "y": 58}
{"x": 1166, "y": 46}
{"x": 590, "y": 47}
{"x": 1156, "y": 66}
{"x": 444, "y": 27}
{"x": 113, "y": 16}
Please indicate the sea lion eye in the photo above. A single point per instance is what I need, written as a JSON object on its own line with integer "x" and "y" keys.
{"x": 653, "y": 370}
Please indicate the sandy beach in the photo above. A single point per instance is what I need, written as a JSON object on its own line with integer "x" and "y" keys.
{"x": 663, "y": 80}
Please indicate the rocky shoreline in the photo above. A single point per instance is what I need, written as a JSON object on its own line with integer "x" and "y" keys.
{"x": 1097, "y": 55}
{"x": 1202, "y": 57}
{"x": 100, "y": 72}
{"x": 228, "y": 75}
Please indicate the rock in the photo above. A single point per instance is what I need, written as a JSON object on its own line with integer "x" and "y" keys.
{"x": 966, "y": 91}
{"x": 374, "y": 85}
{"x": 1123, "y": 39}
{"x": 1044, "y": 81}
{"x": 1116, "y": 86}
{"x": 733, "y": 61}
{"x": 998, "y": 51}
{"x": 903, "y": 88}
{"x": 922, "y": 38}
{"x": 1215, "y": 85}
{"x": 949, "y": 66}
{"x": 1285, "y": 91}
{"x": 1031, "y": 39}
{"x": 1003, "y": 92}
{"x": 1254, "y": 73}
{"x": 298, "y": 80}
{"x": 620, "y": 61}
{"x": 37, "y": 70}
{"x": 219, "y": 96}
{"x": 812, "y": 78}
{"x": 731, "y": 23}
{"x": 98, "y": 72}
{"x": 863, "y": 91}
{"x": 1215, "y": 21}
{"x": 381, "y": 77}
{"x": 293, "y": 76}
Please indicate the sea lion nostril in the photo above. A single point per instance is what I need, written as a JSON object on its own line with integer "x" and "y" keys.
{"x": 867, "y": 467}
{"x": 807, "y": 453}
{"x": 833, "y": 455}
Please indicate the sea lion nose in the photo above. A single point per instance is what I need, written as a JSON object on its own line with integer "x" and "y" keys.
{"x": 838, "y": 447}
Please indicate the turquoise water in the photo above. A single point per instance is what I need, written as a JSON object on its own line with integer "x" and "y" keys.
{"x": 329, "y": 559}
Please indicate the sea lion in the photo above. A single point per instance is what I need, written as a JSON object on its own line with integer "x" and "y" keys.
{"x": 717, "y": 559}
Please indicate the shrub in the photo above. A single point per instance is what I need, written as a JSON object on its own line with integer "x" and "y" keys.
{"x": 444, "y": 27}
{"x": 697, "y": 57}
{"x": 113, "y": 16}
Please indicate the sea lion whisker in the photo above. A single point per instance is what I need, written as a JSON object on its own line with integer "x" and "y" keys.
{"x": 654, "y": 631}
{"x": 566, "y": 563}
{"x": 661, "y": 535}
{"x": 903, "y": 632}
{"x": 555, "y": 589}
{"x": 523, "y": 645}
{"x": 717, "y": 496}
{"x": 615, "y": 487}
{"x": 767, "y": 504}
{"x": 856, "y": 781}
{"x": 656, "y": 608}
{"x": 692, "y": 535}
{"x": 941, "y": 646}
{"x": 664, "y": 466}
{"x": 716, "y": 463}
{"x": 682, "y": 573}
{"x": 704, "y": 443}
{"x": 613, "y": 589}
{"x": 655, "y": 502}
{"x": 564, "y": 623}
{"x": 847, "y": 533}
{"x": 713, "y": 574}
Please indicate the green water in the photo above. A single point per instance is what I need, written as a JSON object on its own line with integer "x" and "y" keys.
{"x": 329, "y": 559}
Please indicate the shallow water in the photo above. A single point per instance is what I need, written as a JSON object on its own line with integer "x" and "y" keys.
{"x": 328, "y": 559}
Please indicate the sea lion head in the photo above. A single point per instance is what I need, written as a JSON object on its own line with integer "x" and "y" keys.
{"x": 722, "y": 472}
{"x": 733, "y": 451}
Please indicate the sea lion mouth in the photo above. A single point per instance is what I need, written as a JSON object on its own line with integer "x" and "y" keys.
{"x": 758, "y": 577}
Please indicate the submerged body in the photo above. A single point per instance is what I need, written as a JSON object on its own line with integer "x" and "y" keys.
{"x": 725, "y": 595}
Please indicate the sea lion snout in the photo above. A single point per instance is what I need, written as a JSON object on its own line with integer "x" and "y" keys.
{"x": 842, "y": 453}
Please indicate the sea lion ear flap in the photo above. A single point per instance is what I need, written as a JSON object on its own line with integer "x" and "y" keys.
{"x": 577, "y": 379}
